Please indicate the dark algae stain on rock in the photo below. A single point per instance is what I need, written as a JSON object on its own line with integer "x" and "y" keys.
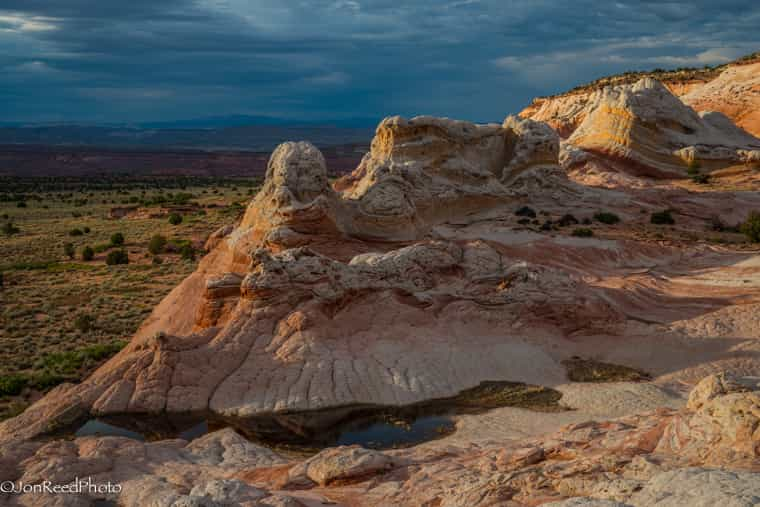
{"x": 590, "y": 370}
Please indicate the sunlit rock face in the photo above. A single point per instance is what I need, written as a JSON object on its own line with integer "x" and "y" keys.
{"x": 735, "y": 93}
{"x": 646, "y": 126}
{"x": 326, "y": 296}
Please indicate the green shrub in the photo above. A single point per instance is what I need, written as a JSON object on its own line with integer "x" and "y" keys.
{"x": 71, "y": 361}
{"x": 662, "y": 218}
{"x": 45, "y": 380}
{"x": 175, "y": 219}
{"x": 68, "y": 249}
{"x": 11, "y": 385}
{"x": 117, "y": 257}
{"x": 566, "y": 220}
{"x": 117, "y": 239}
{"x": 526, "y": 211}
{"x": 83, "y": 322}
{"x": 606, "y": 218}
{"x": 187, "y": 252}
{"x": 102, "y": 247}
{"x": 9, "y": 229}
{"x": 751, "y": 227}
{"x": 701, "y": 179}
{"x": 86, "y": 230}
{"x": 21, "y": 204}
{"x": 157, "y": 261}
{"x": 88, "y": 253}
{"x": 583, "y": 232}
{"x": 156, "y": 244}
{"x": 75, "y": 232}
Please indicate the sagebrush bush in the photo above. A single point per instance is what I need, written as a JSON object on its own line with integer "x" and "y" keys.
{"x": 156, "y": 244}
{"x": 88, "y": 253}
{"x": 117, "y": 257}
{"x": 68, "y": 249}
{"x": 9, "y": 229}
{"x": 187, "y": 252}
{"x": 117, "y": 239}
{"x": 12, "y": 385}
{"x": 83, "y": 322}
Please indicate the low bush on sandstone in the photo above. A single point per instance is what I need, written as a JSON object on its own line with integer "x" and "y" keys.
{"x": 662, "y": 218}
{"x": 566, "y": 220}
{"x": 175, "y": 219}
{"x": 117, "y": 257}
{"x": 75, "y": 232}
{"x": 583, "y": 232}
{"x": 526, "y": 211}
{"x": 751, "y": 227}
{"x": 606, "y": 217}
{"x": 701, "y": 179}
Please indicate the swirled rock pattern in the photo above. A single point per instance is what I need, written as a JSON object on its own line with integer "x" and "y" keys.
{"x": 707, "y": 456}
{"x": 454, "y": 254}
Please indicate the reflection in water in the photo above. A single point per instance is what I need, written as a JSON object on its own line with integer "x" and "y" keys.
{"x": 385, "y": 435}
{"x": 98, "y": 428}
{"x": 371, "y": 426}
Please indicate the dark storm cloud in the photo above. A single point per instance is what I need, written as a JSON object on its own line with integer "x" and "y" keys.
{"x": 109, "y": 60}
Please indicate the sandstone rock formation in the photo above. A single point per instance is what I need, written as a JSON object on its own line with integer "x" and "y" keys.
{"x": 652, "y": 131}
{"x": 639, "y": 460}
{"x": 735, "y": 93}
{"x": 732, "y": 91}
{"x": 413, "y": 278}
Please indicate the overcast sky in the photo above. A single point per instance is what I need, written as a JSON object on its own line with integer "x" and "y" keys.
{"x": 142, "y": 60}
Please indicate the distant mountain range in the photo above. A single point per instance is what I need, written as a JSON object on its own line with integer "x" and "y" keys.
{"x": 236, "y": 132}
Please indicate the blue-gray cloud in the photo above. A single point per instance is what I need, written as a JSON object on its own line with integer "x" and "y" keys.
{"x": 114, "y": 60}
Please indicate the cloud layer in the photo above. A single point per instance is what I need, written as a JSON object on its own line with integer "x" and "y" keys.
{"x": 138, "y": 60}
